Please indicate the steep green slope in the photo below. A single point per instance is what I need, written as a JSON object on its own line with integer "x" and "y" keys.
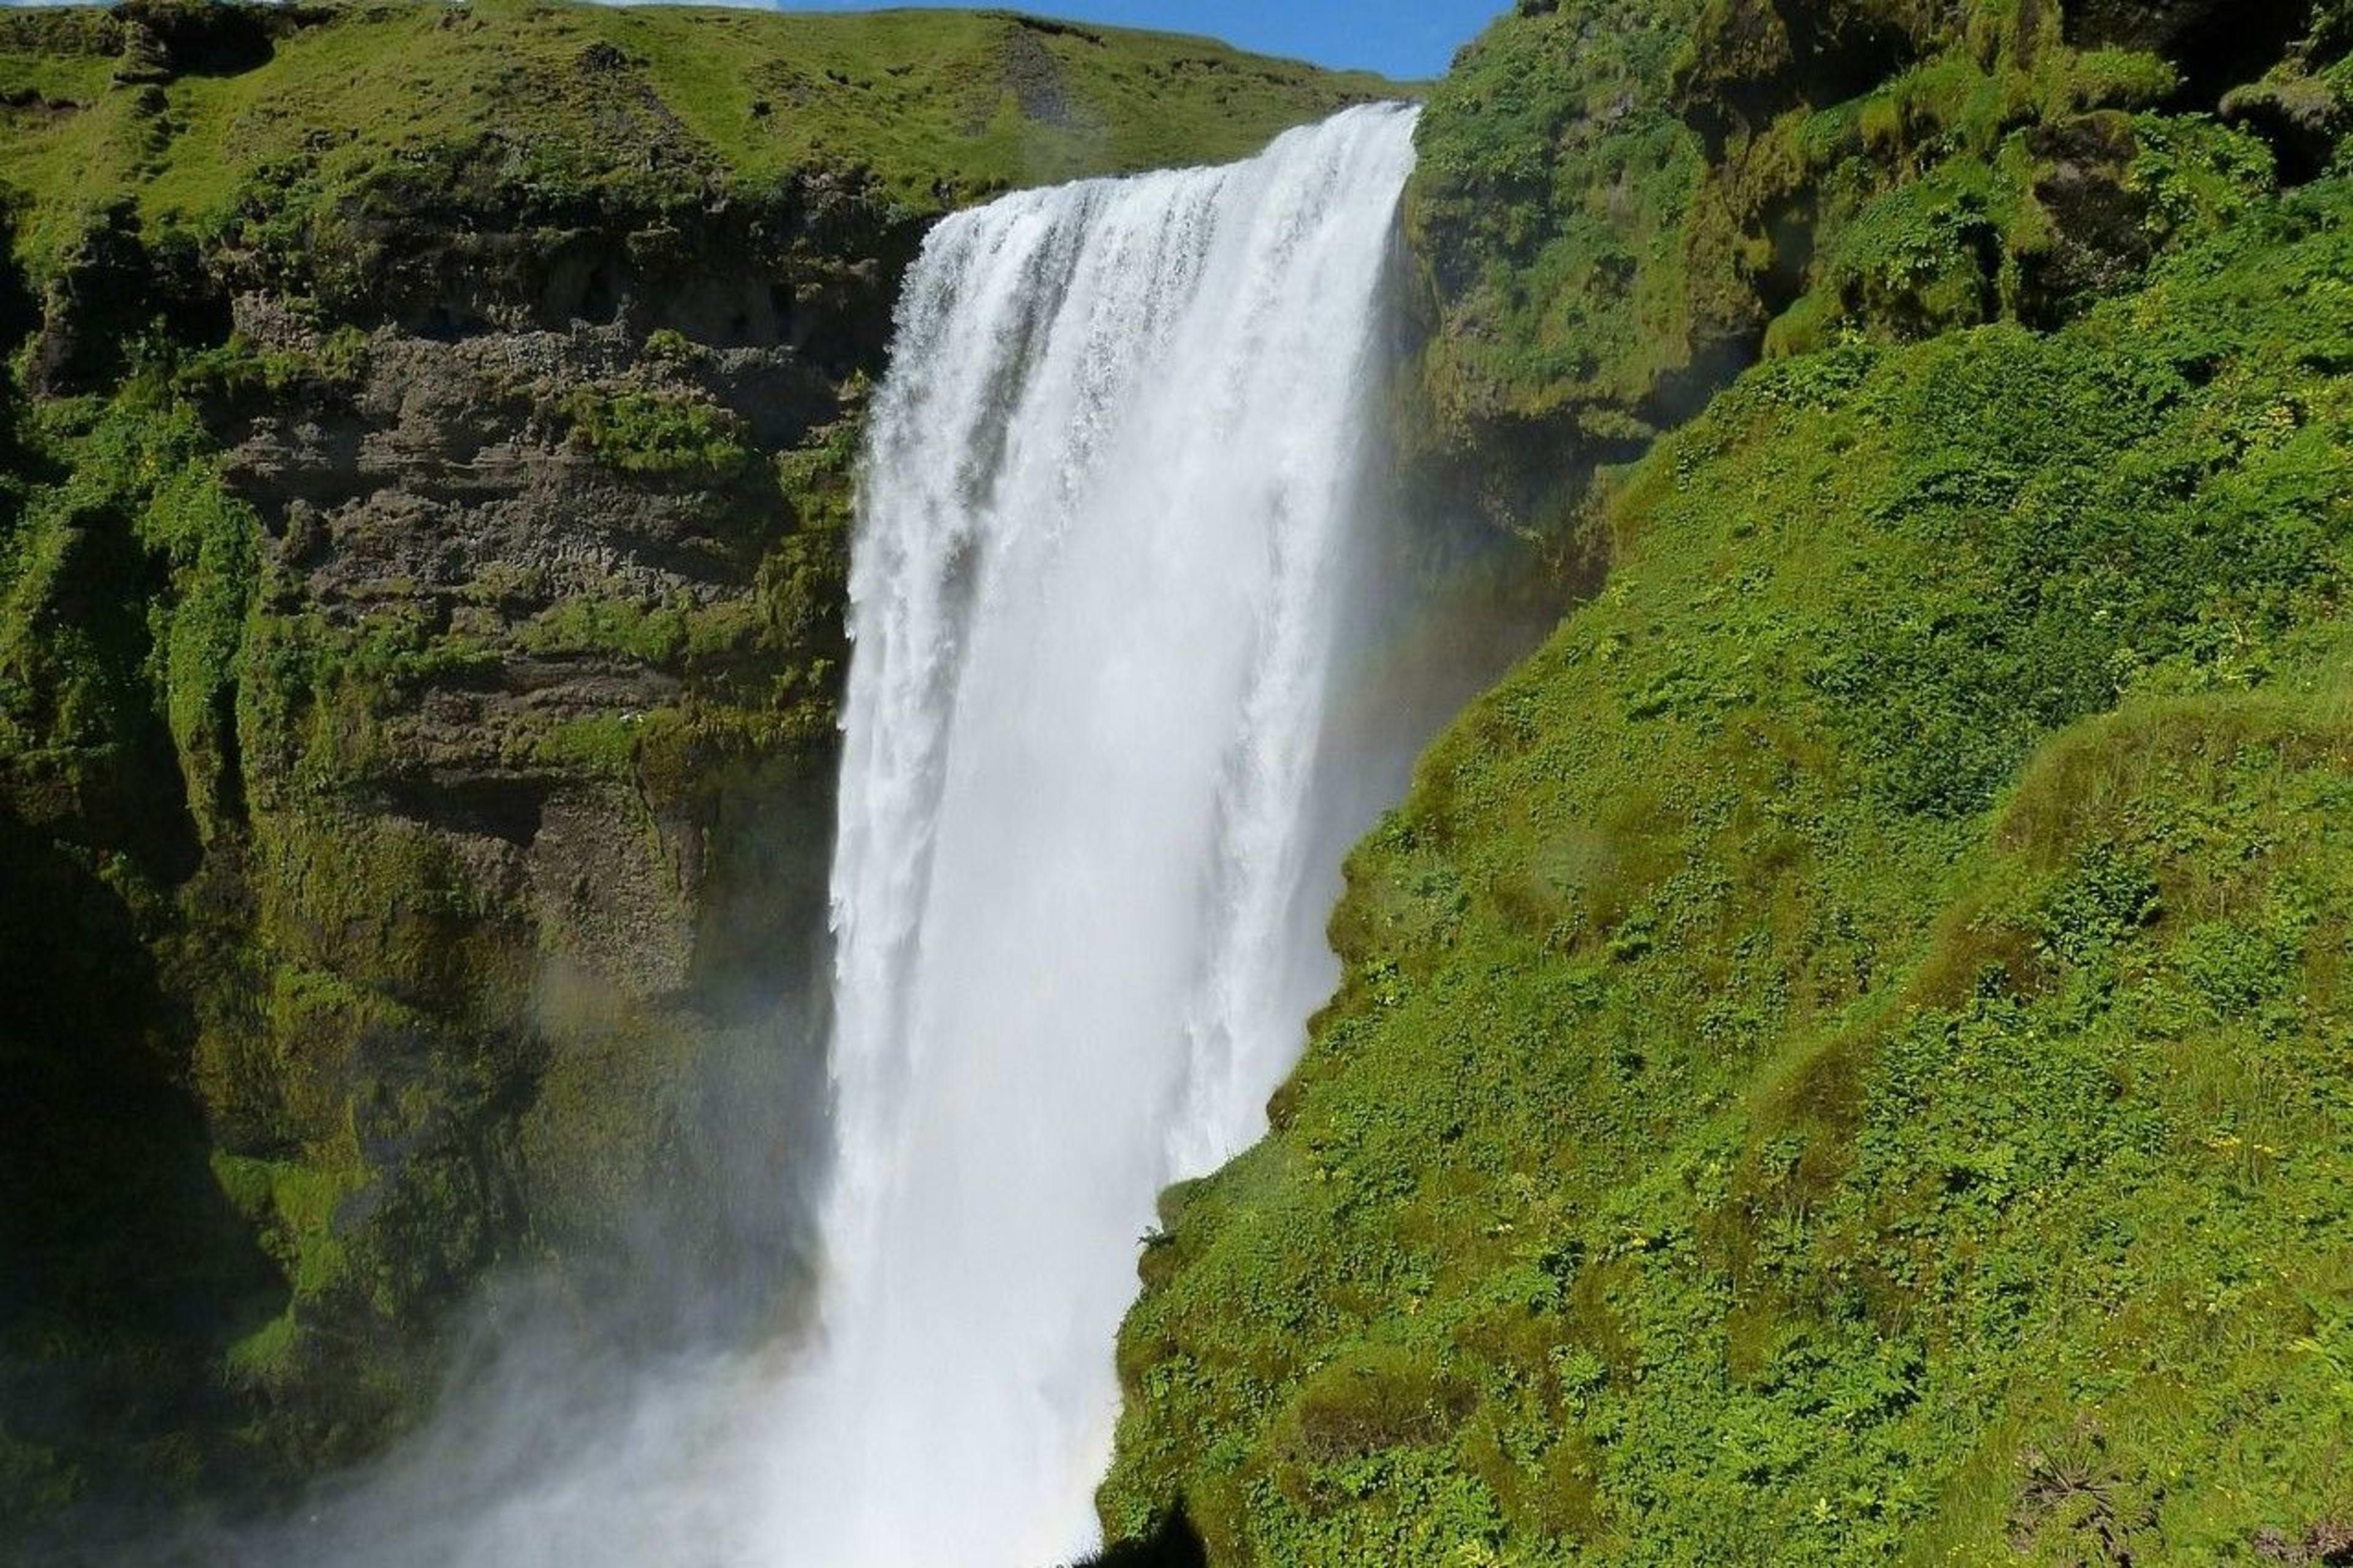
{"x": 1842, "y": 1054}
{"x": 1844, "y": 1051}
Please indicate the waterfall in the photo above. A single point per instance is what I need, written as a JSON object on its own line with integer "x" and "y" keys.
{"x": 1113, "y": 503}
{"x": 1132, "y": 667}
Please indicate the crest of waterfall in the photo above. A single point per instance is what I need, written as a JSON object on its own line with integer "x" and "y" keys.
{"x": 1111, "y": 511}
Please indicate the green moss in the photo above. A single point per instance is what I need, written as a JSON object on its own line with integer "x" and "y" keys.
{"x": 1840, "y": 1055}
{"x": 1554, "y": 185}
{"x": 128, "y": 586}
{"x": 667, "y": 435}
{"x": 606, "y": 743}
{"x": 240, "y": 371}
{"x": 622, "y": 627}
{"x": 294, "y": 1204}
{"x": 268, "y": 1355}
{"x": 1619, "y": 206}
{"x": 618, "y": 1084}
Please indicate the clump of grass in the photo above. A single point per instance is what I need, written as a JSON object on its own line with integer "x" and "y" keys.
{"x": 664, "y": 435}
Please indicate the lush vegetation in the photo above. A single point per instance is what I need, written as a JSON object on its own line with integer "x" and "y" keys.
{"x": 1619, "y": 202}
{"x": 289, "y": 115}
{"x": 1842, "y": 1054}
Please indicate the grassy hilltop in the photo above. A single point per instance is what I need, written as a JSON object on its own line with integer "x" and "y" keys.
{"x": 663, "y": 103}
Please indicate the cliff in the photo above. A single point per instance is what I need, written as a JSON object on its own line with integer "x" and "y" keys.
{"x": 1840, "y": 1055}
{"x": 422, "y": 538}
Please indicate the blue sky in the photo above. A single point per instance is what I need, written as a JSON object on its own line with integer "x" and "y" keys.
{"x": 1401, "y": 37}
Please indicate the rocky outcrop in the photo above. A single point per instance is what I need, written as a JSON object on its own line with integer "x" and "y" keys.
{"x": 1621, "y": 207}
{"x": 499, "y": 829}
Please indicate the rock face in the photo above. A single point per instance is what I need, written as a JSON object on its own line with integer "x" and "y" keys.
{"x": 1622, "y": 206}
{"x": 423, "y": 531}
{"x": 499, "y": 834}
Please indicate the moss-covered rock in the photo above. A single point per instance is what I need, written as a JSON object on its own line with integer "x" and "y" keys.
{"x": 1620, "y": 206}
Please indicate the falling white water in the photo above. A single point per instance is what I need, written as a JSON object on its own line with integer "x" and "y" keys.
{"x": 1111, "y": 486}
{"x": 1130, "y": 674}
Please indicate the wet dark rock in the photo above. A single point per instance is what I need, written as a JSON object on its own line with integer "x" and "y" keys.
{"x": 2099, "y": 218}
{"x": 2300, "y": 115}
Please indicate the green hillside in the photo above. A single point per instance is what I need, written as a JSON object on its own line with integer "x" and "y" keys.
{"x": 660, "y": 105}
{"x": 1843, "y": 1054}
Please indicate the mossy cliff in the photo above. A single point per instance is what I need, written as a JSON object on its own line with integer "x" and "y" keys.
{"x": 1842, "y": 1054}
{"x": 1619, "y": 205}
{"x": 423, "y": 478}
